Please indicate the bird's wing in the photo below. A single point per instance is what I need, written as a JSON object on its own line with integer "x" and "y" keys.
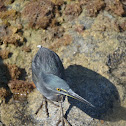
{"x": 49, "y": 62}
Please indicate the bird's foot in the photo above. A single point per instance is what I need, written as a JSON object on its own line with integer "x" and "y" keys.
{"x": 63, "y": 120}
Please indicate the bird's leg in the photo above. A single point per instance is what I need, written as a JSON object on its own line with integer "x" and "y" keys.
{"x": 39, "y": 108}
{"x": 61, "y": 113}
{"x": 62, "y": 119}
{"x": 61, "y": 107}
{"x": 46, "y": 104}
{"x": 44, "y": 100}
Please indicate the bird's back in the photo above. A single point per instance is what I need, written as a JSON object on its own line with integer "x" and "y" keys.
{"x": 48, "y": 62}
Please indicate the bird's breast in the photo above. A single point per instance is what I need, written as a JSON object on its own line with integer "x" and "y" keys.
{"x": 49, "y": 94}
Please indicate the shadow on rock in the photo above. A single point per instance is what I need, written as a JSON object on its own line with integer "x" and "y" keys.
{"x": 93, "y": 87}
{"x": 119, "y": 113}
{"x": 4, "y": 79}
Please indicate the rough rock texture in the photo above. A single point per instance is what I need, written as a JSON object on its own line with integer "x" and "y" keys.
{"x": 92, "y": 47}
{"x": 93, "y": 7}
{"x": 14, "y": 71}
{"x": 38, "y": 13}
{"x": 2, "y": 6}
{"x": 115, "y": 6}
{"x": 20, "y": 89}
{"x": 72, "y": 11}
{"x": 63, "y": 41}
{"x": 10, "y": 14}
{"x": 4, "y": 54}
{"x": 11, "y": 35}
{"x": 3, "y": 93}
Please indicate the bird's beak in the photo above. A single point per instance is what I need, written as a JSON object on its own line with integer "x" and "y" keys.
{"x": 72, "y": 94}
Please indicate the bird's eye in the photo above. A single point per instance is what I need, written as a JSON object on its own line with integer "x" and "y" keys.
{"x": 58, "y": 89}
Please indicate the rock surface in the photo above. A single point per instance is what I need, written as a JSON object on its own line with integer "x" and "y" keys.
{"x": 90, "y": 38}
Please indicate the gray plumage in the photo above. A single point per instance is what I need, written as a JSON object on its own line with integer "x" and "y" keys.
{"x": 46, "y": 63}
{"x": 48, "y": 75}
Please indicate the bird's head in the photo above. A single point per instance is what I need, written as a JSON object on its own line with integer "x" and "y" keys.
{"x": 72, "y": 94}
{"x": 59, "y": 86}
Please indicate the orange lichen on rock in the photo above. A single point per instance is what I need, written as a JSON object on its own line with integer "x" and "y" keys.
{"x": 4, "y": 54}
{"x": 123, "y": 26}
{"x": 38, "y": 14}
{"x": 2, "y": 6}
{"x": 115, "y": 6}
{"x": 26, "y": 48}
{"x": 3, "y": 93}
{"x": 14, "y": 71}
{"x": 72, "y": 11}
{"x": 63, "y": 41}
{"x": 58, "y": 2}
{"x": 9, "y": 14}
{"x": 94, "y": 6}
{"x": 10, "y": 35}
{"x": 20, "y": 89}
{"x": 7, "y": 2}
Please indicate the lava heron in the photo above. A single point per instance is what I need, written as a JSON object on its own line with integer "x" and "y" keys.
{"x": 49, "y": 78}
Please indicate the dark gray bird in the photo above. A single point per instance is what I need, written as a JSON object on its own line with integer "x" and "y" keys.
{"x": 48, "y": 76}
